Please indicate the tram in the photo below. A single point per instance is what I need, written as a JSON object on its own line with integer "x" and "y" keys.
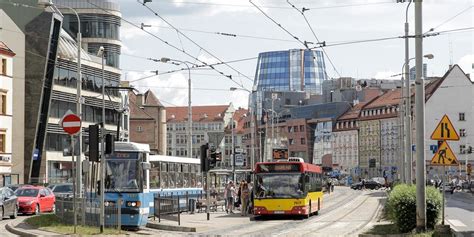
{"x": 136, "y": 177}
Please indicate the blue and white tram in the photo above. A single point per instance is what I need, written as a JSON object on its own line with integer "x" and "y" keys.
{"x": 138, "y": 177}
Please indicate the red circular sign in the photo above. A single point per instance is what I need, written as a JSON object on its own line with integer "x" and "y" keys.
{"x": 71, "y": 124}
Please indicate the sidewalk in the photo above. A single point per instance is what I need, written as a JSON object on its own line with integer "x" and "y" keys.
{"x": 197, "y": 222}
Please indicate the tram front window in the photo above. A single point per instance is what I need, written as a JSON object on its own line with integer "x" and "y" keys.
{"x": 280, "y": 186}
{"x": 122, "y": 176}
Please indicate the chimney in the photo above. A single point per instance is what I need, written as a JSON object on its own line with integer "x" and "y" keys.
{"x": 140, "y": 100}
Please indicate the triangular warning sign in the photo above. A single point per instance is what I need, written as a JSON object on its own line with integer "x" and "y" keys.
{"x": 445, "y": 131}
{"x": 444, "y": 156}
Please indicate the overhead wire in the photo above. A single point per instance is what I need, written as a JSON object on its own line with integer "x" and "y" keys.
{"x": 194, "y": 42}
{"x": 450, "y": 19}
{"x": 167, "y": 43}
{"x": 314, "y": 34}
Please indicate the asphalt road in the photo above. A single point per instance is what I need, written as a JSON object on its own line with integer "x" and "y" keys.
{"x": 460, "y": 213}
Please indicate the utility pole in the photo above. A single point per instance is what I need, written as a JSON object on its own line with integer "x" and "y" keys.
{"x": 407, "y": 96}
{"x": 233, "y": 146}
{"x": 102, "y": 149}
{"x": 420, "y": 121}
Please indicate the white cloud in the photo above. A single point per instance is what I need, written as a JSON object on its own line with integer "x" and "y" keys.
{"x": 239, "y": 98}
{"x": 170, "y": 90}
{"x": 467, "y": 63}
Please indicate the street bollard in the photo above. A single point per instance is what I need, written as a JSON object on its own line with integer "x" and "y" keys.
{"x": 119, "y": 215}
{"x": 159, "y": 208}
{"x": 187, "y": 200}
{"x": 179, "y": 213}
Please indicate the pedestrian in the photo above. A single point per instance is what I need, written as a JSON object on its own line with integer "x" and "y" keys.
{"x": 332, "y": 187}
{"x": 244, "y": 198}
{"x": 363, "y": 183}
{"x": 328, "y": 186}
{"x": 229, "y": 194}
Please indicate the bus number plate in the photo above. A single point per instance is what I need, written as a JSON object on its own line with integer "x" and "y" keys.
{"x": 279, "y": 212}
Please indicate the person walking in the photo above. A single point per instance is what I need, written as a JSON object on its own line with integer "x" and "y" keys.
{"x": 244, "y": 198}
{"x": 328, "y": 186}
{"x": 229, "y": 194}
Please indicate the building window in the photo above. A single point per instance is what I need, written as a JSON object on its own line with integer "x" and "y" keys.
{"x": 291, "y": 141}
{"x": 295, "y": 128}
{"x": 461, "y": 117}
{"x": 462, "y": 132}
{"x": 4, "y": 66}
{"x": 3, "y": 103}
{"x": 2, "y": 142}
{"x": 303, "y": 141}
{"x": 462, "y": 149}
{"x": 301, "y": 128}
{"x": 139, "y": 129}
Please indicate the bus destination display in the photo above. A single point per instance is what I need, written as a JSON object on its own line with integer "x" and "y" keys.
{"x": 270, "y": 168}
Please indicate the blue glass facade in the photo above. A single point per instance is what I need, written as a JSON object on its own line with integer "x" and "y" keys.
{"x": 291, "y": 70}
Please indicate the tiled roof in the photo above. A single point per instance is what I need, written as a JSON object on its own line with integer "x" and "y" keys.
{"x": 135, "y": 111}
{"x": 239, "y": 117}
{"x": 200, "y": 113}
{"x": 391, "y": 97}
{"x": 5, "y": 50}
{"x": 371, "y": 93}
{"x": 151, "y": 99}
{"x": 353, "y": 113}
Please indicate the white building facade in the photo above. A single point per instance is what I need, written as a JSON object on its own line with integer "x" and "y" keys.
{"x": 6, "y": 110}
{"x": 322, "y": 141}
{"x": 453, "y": 95}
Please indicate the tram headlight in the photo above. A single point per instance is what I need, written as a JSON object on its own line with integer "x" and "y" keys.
{"x": 133, "y": 204}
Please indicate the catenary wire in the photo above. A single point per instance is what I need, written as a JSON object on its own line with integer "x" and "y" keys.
{"x": 315, "y": 36}
{"x": 450, "y": 19}
{"x": 192, "y": 41}
{"x": 169, "y": 44}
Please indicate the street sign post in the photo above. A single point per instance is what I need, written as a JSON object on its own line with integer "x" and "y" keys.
{"x": 71, "y": 124}
{"x": 444, "y": 156}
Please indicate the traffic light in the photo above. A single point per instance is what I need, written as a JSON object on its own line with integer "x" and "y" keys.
{"x": 94, "y": 143}
{"x": 204, "y": 160}
{"x": 213, "y": 158}
{"x": 109, "y": 144}
{"x": 469, "y": 150}
{"x": 219, "y": 156}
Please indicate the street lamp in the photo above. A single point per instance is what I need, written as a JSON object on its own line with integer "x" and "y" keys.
{"x": 101, "y": 54}
{"x": 408, "y": 154}
{"x": 190, "y": 116}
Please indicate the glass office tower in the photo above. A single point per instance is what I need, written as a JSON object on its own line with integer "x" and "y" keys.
{"x": 291, "y": 70}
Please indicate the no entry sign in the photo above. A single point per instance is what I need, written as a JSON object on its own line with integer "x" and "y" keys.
{"x": 71, "y": 124}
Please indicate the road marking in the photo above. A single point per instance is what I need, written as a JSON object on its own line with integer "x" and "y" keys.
{"x": 457, "y": 223}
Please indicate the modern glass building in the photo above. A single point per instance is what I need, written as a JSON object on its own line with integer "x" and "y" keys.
{"x": 291, "y": 70}
{"x": 100, "y": 26}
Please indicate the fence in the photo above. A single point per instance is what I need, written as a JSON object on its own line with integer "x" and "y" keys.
{"x": 88, "y": 212}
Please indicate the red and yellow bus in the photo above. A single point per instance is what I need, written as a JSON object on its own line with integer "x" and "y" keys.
{"x": 289, "y": 187}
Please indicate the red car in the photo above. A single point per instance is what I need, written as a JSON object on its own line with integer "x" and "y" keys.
{"x": 34, "y": 200}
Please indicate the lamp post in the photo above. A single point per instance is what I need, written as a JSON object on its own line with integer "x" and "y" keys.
{"x": 101, "y": 54}
{"x": 78, "y": 93}
{"x": 190, "y": 115}
{"x": 408, "y": 153}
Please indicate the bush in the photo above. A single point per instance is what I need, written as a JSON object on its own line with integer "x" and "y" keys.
{"x": 401, "y": 207}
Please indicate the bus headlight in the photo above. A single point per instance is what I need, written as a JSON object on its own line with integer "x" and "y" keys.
{"x": 133, "y": 204}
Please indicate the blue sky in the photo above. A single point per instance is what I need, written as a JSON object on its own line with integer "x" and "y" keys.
{"x": 333, "y": 21}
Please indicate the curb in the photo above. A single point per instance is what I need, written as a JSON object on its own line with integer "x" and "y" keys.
{"x": 170, "y": 227}
{"x": 24, "y": 233}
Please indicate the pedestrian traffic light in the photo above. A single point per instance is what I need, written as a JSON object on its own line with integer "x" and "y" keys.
{"x": 213, "y": 158}
{"x": 94, "y": 143}
{"x": 469, "y": 150}
{"x": 204, "y": 160}
{"x": 218, "y": 156}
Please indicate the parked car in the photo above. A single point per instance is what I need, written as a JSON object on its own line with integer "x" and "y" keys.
{"x": 13, "y": 187}
{"x": 8, "y": 203}
{"x": 62, "y": 190}
{"x": 35, "y": 199}
{"x": 369, "y": 184}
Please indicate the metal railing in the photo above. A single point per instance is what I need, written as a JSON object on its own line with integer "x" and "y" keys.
{"x": 88, "y": 215}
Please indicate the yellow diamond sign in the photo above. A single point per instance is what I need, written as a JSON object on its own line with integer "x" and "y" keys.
{"x": 445, "y": 131}
{"x": 444, "y": 156}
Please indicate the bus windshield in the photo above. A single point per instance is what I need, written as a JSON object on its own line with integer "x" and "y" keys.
{"x": 122, "y": 176}
{"x": 280, "y": 185}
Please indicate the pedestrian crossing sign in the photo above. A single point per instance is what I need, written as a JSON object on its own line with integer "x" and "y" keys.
{"x": 445, "y": 131}
{"x": 444, "y": 156}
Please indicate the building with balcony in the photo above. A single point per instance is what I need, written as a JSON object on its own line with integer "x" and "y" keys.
{"x": 100, "y": 26}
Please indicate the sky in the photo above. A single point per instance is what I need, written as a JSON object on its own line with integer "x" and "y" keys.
{"x": 333, "y": 21}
